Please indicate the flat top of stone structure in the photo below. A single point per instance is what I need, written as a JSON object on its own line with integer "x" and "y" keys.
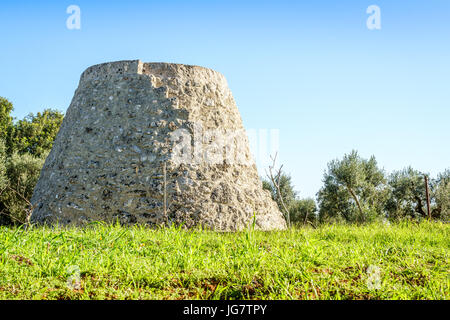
{"x": 124, "y": 67}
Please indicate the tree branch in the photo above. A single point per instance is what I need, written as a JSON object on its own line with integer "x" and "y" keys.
{"x": 276, "y": 183}
{"x": 28, "y": 211}
{"x": 352, "y": 193}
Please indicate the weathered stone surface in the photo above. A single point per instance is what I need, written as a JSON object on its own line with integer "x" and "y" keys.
{"x": 128, "y": 120}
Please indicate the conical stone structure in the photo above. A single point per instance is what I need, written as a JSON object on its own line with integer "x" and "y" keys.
{"x": 153, "y": 143}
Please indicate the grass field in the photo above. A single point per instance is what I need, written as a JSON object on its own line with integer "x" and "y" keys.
{"x": 401, "y": 261}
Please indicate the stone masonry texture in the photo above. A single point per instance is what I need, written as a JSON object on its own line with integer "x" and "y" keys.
{"x": 155, "y": 144}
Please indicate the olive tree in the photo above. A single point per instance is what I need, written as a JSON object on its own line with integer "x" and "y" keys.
{"x": 303, "y": 211}
{"x": 3, "y": 177}
{"x": 407, "y": 194}
{"x": 353, "y": 190}
{"x": 441, "y": 195}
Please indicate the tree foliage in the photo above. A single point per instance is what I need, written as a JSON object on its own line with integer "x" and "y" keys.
{"x": 353, "y": 190}
{"x": 24, "y": 145}
{"x": 6, "y": 119}
{"x": 407, "y": 194}
{"x": 35, "y": 134}
{"x": 3, "y": 176}
{"x": 303, "y": 211}
{"x": 287, "y": 191}
{"x": 441, "y": 194}
{"x": 300, "y": 210}
{"x": 23, "y": 172}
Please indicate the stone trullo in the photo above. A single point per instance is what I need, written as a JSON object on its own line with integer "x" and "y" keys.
{"x": 153, "y": 143}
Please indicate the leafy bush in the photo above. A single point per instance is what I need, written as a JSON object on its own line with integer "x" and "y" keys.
{"x": 22, "y": 172}
{"x": 3, "y": 178}
{"x": 441, "y": 195}
{"x": 24, "y": 145}
{"x": 303, "y": 211}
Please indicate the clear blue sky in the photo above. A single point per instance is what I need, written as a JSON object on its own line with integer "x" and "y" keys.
{"x": 312, "y": 70}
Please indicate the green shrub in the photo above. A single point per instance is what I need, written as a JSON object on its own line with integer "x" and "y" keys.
{"x": 303, "y": 210}
{"x": 22, "y": 172}
{"x": 24, "y": 145}
{"x": 3, "y": 179}
{"x": 6, "y": 119}
{"x": 442, "y": 196}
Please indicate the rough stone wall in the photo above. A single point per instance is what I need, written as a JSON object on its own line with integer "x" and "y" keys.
{"x": 127, "y": 121}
